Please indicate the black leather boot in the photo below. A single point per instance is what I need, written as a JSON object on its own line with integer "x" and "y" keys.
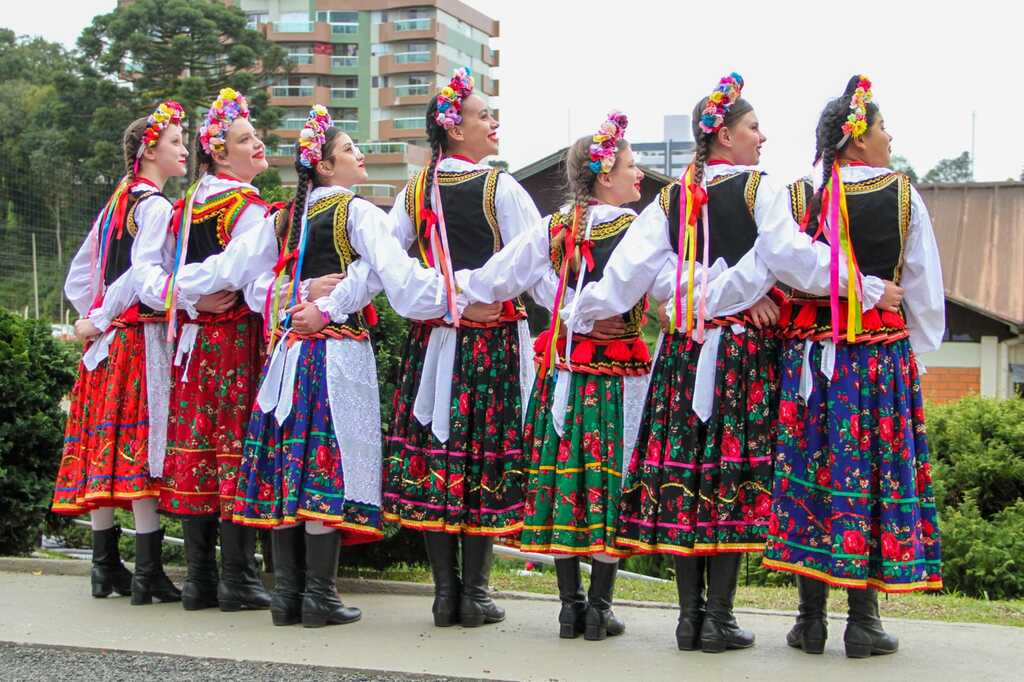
{"x": 240, "y": 586}
{"x": 289, "y": 551}
{"x": 864, "y": 635}
{"x": 476, "y": 607}
{"x": 443, "y": 552}
{"x": 811, "y": 629}
{"x": 600, "y": 621}
{"x": 720, "y": 630}
{"x": 149, "y": 580}
{"x": 690, "y": 572}
{"x": 321, "y": 604}
{"x": 200, "y": 588}
{"x": 108, "y": 573}
{"x": 573, "y": 616}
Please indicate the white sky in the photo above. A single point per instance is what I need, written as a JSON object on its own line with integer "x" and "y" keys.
{"x": 564, "y": 64}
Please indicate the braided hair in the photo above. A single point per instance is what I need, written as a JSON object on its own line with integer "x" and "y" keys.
{"x": 827, "y": 136}
{"x": 437, "y": 137}
{"x": 580, "y": 179}
{"x": 704, "y": 140}
{"x": 130, "y": 143}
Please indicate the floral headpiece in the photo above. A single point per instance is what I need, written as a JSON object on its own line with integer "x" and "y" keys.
{"x": 229, "y": 105}
{"x": 167, "y": 114}
{"x": 605, "y": 141}
{"x": 449, "y": 100}
{"x": 856, "y": 124}
{"x": 313, "y": 135}
{"x": 720, "y": 101}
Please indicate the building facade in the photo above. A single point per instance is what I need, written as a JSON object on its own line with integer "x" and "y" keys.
{"x": 673, "y": 153}
{"x": 374, "y": 64}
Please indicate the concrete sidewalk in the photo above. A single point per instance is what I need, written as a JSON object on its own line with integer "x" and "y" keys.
{"x": 396, "y": 634}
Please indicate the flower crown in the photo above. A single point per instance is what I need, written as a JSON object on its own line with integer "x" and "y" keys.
{"x": 720, "y": 101}
{"x": 313, "y": 136}
{"x": 167, "y": 114}
{"x": 856, "y": 124}
{"x": 229, "y": 105}
{"x": 605, "y": 140}
{"x": 449, "y": 100}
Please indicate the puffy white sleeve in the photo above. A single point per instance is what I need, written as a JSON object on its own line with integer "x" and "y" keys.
{"x": 251, "y": 252}
{"x": 516, "y": 211}
{"x": 152, "y": 251}
{"x": 401, "y": 224}
{"x": 78, "y": 285}
{"x": 117, "y": 298}
{"x": 414, "y": 291}
{"x": 795, "y": 259}
{"x": 924, "y": 300}
{"x": 630, "y": 273}
{"x": 351, "y": 294}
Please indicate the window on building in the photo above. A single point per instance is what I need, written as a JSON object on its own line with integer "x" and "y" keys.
{"x": 299, "y": 53}
{"x": 253, "y": 20}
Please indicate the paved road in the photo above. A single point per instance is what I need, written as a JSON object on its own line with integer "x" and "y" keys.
{"x": 396, "y": 634}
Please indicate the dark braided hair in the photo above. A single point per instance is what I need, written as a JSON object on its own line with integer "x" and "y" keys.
{"x": 204, "y": 162}
{"x": 307, "y": 179}
{"x": 131, "y": 142}
{"x": 437, "y": 137}
{"x": 827, "y": 136}
{"x": 738, "y": 109}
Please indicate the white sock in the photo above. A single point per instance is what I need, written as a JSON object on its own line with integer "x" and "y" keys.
{"x": 317, "y": 528}
{"x": 146, "y": 518}
{"x": 102, "y": 519}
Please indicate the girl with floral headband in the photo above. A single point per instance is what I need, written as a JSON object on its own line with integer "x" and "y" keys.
{"x": 587, "y": 398}
{"x": 224, "y": 242}
{"x": 113, "y": 446}
{"x": 853, "y": 503}
{"x": 454, "y": 465}
{"x": 311, "y": 469}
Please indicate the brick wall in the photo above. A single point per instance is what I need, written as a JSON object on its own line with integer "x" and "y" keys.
{"x": 943, "y": 384}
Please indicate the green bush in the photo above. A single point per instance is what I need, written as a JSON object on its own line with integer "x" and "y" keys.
{"x": 977, "y": 447}
{"x": 389, "y": 338}
{"x": 36, "y": 373}
{"x": 984, "y": 557}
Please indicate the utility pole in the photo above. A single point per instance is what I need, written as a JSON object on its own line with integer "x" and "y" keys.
{"x": 974, "y": 115}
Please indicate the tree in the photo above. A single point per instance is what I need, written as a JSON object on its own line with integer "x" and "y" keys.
{"x": 958, "y": 169}
{"x": 901, "y": 164}
{"x": 185, "y": 50}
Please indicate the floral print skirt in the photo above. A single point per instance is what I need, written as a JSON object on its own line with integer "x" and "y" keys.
{"x": 572, "y": 496}
{"x": 208, "y": 417}
{"x": 105, "y": 458}
{"x": 853, "y": 503}
{"x": 475, "y": 482}
{"x": 293, "y": 471}
{"x": 695, "y": 488}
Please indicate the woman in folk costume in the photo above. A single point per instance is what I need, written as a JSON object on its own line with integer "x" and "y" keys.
{"x": 454, "y": 465}
{"x": 108, "y": 445}
{"x": 853, "y": 504}
{"x": 313, "y": 451}
{"x": 698, "y": 482}
{"x": 579, "y": 413}
{"x": 224, "y": 241}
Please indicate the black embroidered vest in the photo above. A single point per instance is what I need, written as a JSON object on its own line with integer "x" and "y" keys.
{"x": 119, "y": 256}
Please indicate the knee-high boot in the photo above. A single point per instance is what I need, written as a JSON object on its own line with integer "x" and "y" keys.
{"x": 572, "y": 618}
{"x": 443, "y": 552}
{"x": 720, "y": 630}
{"x": 690, "y": 572}
{"x": 476, "y": 607}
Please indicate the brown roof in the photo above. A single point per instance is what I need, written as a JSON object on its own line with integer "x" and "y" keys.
{"x": 980, "y": 230}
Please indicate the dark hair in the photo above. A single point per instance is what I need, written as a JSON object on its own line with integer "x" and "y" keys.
{"x": 131, "y": 142}
{"x": 437, "y": 137}
{"x": 204, "y": 162}
{"x": 307, "y": 179}
{"x": 828, "y": 134}
{"x": 738, "y": 109}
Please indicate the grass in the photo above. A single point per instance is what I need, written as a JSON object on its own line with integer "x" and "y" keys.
{"x": 916, "y": 606}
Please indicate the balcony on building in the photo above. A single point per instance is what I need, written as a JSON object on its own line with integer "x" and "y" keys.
{"x": 413, "y": 61}
{"x": 404, "y": 94}
{"x": 489, "y": 56}
{"x": 297, "y": 31}
{"x": 303, "y": 95}
{"x": 419, "y": 28}
{"x": 403, "y": 128}
{"x": 393, "y": 153}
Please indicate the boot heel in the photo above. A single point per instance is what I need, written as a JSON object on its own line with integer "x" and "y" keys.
{"x": 444, "y": 620}
{"x": 229, "y": 606}
{"x": 473, "y": 619}
{"x": 142, "y": 599}
{"x": 812, "y": 646}
{"x": 713, "y": 646}
{"x": 855, "y": 650}
{"x": 595, "y": 632}
{"x": 688, "y": 643}
{"x": 101, "y": 590}
{"x": 284, "y": 618}
{"x": 568, "y": 631}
